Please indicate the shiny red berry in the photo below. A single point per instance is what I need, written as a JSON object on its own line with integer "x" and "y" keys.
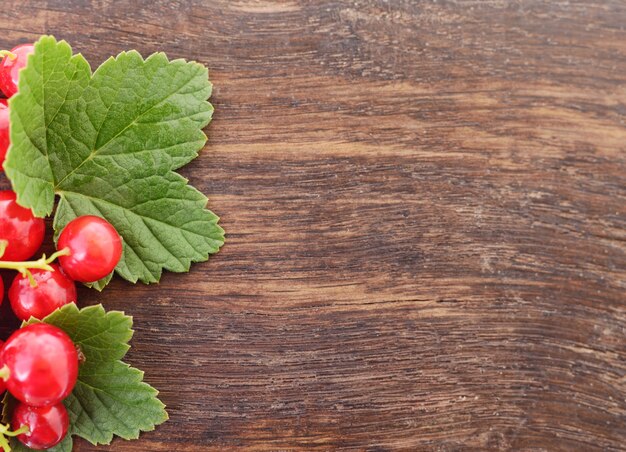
{"x": 40, "y": 364}
{"x": 47, "y": 426}
{"x": 4, "y": 130}
{"x": 22, "y": 231}
{"x": 95, "y": 248}
{"x": 10, "y": 68}
{"x": 54, "y": 289}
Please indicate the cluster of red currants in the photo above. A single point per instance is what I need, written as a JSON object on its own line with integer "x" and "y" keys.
{"x": 39, "y": 362}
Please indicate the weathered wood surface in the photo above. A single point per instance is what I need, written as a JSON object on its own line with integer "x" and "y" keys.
{"x": 426, "y": 214}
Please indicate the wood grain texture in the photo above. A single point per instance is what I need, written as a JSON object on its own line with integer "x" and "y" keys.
{"x": 425, "y": 204}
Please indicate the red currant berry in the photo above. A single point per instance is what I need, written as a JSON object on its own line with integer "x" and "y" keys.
{"x": 20, "y": 228}
{"x": 10, "y": 68}
{"x": 47, "y": 426}
{"x": 40, "y": 364}
{"x": 4, "y": 130}
{"x": 95, "y": 248}
{"x": 53, "y": 290}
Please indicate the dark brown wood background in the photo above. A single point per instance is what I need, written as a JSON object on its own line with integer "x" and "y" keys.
{"x": 425, "y": 204}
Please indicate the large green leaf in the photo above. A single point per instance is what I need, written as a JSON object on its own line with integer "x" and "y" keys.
{"x": 108, "y": 144}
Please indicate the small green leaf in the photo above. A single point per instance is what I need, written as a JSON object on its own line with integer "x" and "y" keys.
{"x": 110, "y": 397}
{"x": 108, "y": 144}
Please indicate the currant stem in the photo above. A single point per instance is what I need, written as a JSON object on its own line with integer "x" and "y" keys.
{"x": 31, "y": 278}
{"x": 5, "y": 431}
{"x": 4, "y": 444}
{"x": 3, "y": 247}
{"x": 43, "y": 263}
{"x": 6, "y": 53}
{"x": 20, "y": 431}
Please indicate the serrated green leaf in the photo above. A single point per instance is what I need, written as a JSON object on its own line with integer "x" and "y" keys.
{"x": 120, "y": 404}
{"x": 108, "y": 144}
{"x": 110, "y": 397}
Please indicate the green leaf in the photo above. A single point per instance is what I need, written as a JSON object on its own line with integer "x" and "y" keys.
{"x": 120, "y": 404}
{"x": 110, "y": 397}
{"x": 108, "y": 143}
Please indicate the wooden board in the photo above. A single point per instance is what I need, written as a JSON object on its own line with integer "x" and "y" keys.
{"x": 425, "y": 204}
